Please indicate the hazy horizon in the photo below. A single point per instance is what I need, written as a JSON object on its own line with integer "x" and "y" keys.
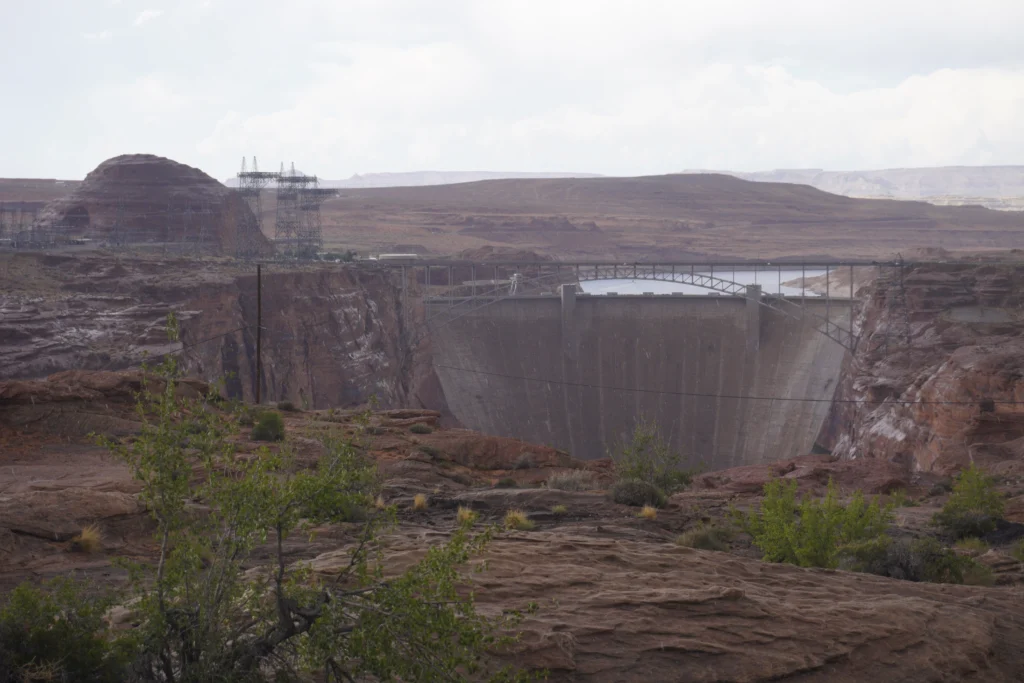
{"x": 619, "y": 89}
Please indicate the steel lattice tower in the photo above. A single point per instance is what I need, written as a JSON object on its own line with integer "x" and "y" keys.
{"x": 298, "y": 230}
{"x": 250, "y": 187}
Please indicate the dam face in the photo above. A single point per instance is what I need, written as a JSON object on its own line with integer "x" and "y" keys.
{"x": 606, "y": 360}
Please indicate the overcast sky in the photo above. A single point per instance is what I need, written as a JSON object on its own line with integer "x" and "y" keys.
{"x": 622, "y": 88}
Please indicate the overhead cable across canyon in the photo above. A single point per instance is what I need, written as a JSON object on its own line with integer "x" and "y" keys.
{"x": 697, "y": 394}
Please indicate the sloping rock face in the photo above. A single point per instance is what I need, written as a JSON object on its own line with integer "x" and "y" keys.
{"x": 136, "y": 198}
{"x": 938, "y": 382}
{"x": 332, "y": 336}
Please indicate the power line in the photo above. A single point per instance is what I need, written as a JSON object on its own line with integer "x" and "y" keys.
{"x": 696, "y": 394}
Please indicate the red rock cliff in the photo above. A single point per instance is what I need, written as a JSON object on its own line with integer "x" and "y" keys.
{"x": 940, "y": 377}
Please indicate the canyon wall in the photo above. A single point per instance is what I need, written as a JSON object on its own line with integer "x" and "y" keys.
{"x": 333, "y": 335}
{"x": 937, "y": 378}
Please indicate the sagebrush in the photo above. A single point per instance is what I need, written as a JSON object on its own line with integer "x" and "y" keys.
{"x": 974, "y": 507}
{"x": 815, "y": 532}
{"x": 646, "y": 456}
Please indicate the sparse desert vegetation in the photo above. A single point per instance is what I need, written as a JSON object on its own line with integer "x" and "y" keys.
{"x": 269, "y": 427}
{"x": 466, "y": 515}
{"x": 420, "y": 502}
{"x": 573, "y": 480}
{"x": 648, "y": 512}
{"x": 89, "y": 540}
{"x": 974, "y": 506}
{"x": 518, "y": 520}
{"x": 420, "y": 428}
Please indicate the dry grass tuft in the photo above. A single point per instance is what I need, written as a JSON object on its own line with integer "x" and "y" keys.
{"x": 517, "y": 519}
{"x": 465, "y": 515}
{"x": 89, "y": 540}
{"x": 560, "y": 510}
{"x": 380, "y": 503}
{"x": 420, "y": 502}
{"x": 648, "y": 512}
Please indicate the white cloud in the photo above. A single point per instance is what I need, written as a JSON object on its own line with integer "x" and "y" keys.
{"x": 147, "y": 15}
{"x": 98, "y": 36}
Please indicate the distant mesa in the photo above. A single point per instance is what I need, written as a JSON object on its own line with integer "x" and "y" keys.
{"x": 143, "y": 198}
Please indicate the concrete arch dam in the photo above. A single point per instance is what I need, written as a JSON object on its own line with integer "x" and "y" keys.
{"x": 576, "y": 372}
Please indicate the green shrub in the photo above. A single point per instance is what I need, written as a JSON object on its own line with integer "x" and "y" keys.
{"x": 506, "y": 483}
{"x": 269, "y": 427}
{"x": 637, "y": 493}
{"x": 57, "y": 633}
{"x": 921, "y": 560}
{"x": 706, "y": 538}
{"x": 974, "y": 507}
{"x": 420, "y": 428}
{"x": 287, "y": 406}
{"x": 815, "y": 533}
{"x": 559, "y": 511}
{"x": 573, "y": 480}
{"x": 647, "y": 457}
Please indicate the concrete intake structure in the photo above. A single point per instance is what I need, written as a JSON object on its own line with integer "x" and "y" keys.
{"x": 577, "y": 372}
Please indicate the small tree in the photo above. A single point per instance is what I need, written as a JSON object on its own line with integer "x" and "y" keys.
{"x": 647, "y": 457}
{"x": 974, "y": 507}
{"x": 815, "y": 533}
{"x": 205, "y": 615}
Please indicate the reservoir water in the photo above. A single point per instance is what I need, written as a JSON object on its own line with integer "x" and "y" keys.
{"x": 771, "y": 281}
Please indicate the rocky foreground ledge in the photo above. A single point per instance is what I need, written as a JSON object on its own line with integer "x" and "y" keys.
{"x": 618, "y": 599}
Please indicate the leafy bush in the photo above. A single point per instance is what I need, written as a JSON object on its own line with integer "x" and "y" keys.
{"x": 974, "y": 507}
{"x": 287, "y": 406}
{"x": 58, "y": 633}
{"x": 506, "y": 483}
{"x": 269, "y": 427}
{"x": 420, "y": 428}
{"x": 815, "y": 533}
{"x": 919, "y": 560}
{"x": 559, "y": 511}
{"x": 573, "y": 480}
{"x": 706, "y": 538}
{"x": 637, "y": 493}
{"x": 647, "y": 457}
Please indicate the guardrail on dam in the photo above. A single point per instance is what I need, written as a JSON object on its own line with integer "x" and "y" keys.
{"x": 576, "y": 371}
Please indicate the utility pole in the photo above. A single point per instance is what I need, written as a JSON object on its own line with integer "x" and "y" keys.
{"x": 259, "y": 330}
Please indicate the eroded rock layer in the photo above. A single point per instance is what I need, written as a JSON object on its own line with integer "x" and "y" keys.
{"x": 938, "y": 377}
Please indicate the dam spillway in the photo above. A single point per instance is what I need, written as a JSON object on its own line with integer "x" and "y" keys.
{"x": 718, "y": 374}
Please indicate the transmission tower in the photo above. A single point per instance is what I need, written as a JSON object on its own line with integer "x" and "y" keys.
{"x": 311, "y": 239}
{"x": 250, "y": 187}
